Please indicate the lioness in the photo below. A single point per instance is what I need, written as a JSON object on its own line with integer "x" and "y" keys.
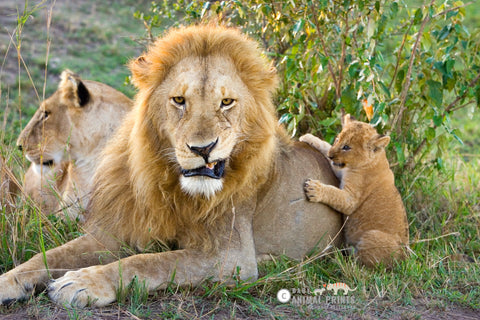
{"x": 64, "y": 139}
{"x": 8, "y": 187}
{"x": 377, "y": 222}
{"x": 200, "y": 162}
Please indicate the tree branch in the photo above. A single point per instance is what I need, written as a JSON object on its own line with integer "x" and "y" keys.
{"x": 397, "y": 122}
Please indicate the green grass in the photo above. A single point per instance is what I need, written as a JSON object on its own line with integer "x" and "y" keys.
{"x": 443, "y": 207}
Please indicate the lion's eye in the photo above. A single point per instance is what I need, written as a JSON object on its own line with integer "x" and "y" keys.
{"x": 227, "y": 103}
{"x": 179, "y": 100}
{"x": 346, "y": 148}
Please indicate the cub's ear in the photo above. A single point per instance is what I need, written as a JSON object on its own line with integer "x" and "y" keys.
{"x": 72, "y": 90}
{"x": 380, "y": 141}
{"x": 346, "y": 119}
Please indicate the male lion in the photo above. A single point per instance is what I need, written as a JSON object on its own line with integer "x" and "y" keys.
{"x": 377, "y": 222}
{"x": 200, "y": 162}
{"x": 64, "y": 139}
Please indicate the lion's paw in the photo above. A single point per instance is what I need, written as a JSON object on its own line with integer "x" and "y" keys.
{"x": 85, "y": 287}
{"x": 312, "y": 190}
{"x": 13, "y": 290}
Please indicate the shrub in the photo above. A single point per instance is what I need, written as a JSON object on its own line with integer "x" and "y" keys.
{"x": 412, "y": 69}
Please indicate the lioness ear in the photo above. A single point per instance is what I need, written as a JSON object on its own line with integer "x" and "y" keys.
{"x": 73, "y": 91}
{"x": 380, "y": 141}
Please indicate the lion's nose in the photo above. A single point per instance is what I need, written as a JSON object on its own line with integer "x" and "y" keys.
{"x": 20, "y": 147}
{"x": 203, "y": 151}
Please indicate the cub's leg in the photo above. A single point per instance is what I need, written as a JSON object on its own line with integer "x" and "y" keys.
{"x": 20, "y": 282}
{"x": 340, "y": 200}
{"x": 323, "y": 147}
{"x": 376, "y": 247}
{"x": 317, "y": 143}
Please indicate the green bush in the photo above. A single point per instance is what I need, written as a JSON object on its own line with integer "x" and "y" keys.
{"x": 417, "y": 66}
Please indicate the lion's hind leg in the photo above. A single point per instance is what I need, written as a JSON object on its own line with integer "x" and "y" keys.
{"x": 379, "y": 247}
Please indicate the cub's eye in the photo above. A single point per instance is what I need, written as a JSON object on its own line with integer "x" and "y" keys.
{"x": 346, "y": 148}
{"x": 227, "y": 103}
{"x": 179, "y": 100}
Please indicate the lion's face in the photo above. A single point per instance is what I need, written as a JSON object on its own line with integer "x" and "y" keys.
{"x": 358, "y": 145}
{"x": 203, "y": 99}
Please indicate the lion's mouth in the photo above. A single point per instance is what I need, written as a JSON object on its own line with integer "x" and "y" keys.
{"x": 213, "y": 170}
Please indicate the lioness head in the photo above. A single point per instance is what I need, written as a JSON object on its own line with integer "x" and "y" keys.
{"x": 206, "y": 91}
{"x": 358, "y": 145}
{"x": 71, "y": 123}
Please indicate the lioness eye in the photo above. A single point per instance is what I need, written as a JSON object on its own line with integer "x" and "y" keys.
{"x": 179, "y": 100}
{"x": 45, "y": 115}
{"x": 227, "y": 102}
{"x": 346, "y": 148}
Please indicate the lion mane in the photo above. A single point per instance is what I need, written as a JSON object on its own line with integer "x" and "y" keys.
{"x": 137, "y": 194}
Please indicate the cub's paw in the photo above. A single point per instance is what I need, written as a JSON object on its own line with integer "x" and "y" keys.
{"x": 12, "y": 290}
{"x": 84, "y": 287}
{"x": 313, "y": 190}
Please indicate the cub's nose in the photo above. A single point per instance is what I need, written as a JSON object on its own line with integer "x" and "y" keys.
{"x": 203, "y": 151}
{"x": 20, "y": 147}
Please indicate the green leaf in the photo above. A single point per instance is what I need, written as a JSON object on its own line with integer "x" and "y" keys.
{"x": 435, "y": 92}
{"x": 298, "y": 26}
{"x": 418, "y": 16}
{"x": 444, "y": 33}
{"x": 477, "y": 95}
{"x": 400, "y": 153}
{"x": 430, "y": 134}
{"x": 437, "y": 120}
{"x": 385, "y": 88}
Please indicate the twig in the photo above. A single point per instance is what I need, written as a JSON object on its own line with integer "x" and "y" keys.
{"x": 436, "y": 238}
{"x": 329, "y": 63}
{"x": 451, "y": 9}
{"x": 398, "y": 56}
{"x": 397, "y": 122}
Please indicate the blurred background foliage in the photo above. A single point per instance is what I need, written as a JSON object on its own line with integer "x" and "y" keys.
{"x": 409, "y": 69}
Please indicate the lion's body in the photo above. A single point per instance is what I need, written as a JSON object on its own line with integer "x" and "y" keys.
{"x": 377, "y": 223}
{"x": 64, "y": 139}
{"x": 200, "y": 162}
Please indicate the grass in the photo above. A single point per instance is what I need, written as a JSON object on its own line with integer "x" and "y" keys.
{"x": 442, "y": 274}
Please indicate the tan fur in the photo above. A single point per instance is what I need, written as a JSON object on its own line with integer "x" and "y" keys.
{"x": 377, "y": 223}
{"x": 221, "y": 226}
{"x": 69, "y": 129}
{"x": 8, "y": 187}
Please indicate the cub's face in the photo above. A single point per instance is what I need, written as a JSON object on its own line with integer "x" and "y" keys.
{"x": 203, "y": 100}
{"x": 357, "y": 146}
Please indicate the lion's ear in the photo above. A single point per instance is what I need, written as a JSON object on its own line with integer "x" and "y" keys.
{"x": 140, "y": 69}
{"x": 380, "y": 141}
{"x": 73, "y": 90}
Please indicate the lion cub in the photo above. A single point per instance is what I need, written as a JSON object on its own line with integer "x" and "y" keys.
{"x": 377, "y": 222}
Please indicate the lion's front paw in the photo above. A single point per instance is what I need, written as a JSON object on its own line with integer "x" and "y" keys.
{"x": 88, "y": 286}
{"x": 313, "y": 190}
{"x": 12, "y": 290}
